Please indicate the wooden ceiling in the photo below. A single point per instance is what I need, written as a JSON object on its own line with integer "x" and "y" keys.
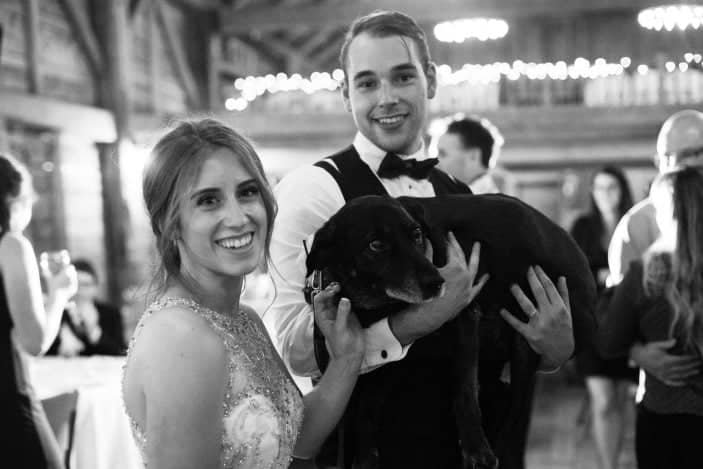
{"x": 305, "y": 35}
{"x": 242, "y": 18}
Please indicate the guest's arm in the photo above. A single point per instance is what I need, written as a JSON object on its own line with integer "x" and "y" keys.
{"x": 618, "y": 322}
{"x": 36, "y": 321}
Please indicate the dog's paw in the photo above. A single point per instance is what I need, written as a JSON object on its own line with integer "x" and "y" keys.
{"x": 481, "y": 459}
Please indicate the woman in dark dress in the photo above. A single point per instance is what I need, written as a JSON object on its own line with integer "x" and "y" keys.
{"x": 607, "y": 381}
{"x": 28, "y": 324}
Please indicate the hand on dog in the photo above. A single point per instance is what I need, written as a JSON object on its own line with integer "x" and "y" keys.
{"x": 339, "y": 325}
{"x": 672, "y": 370}
{"x": 419, "y": 320}
{"x": 549, "y": 329}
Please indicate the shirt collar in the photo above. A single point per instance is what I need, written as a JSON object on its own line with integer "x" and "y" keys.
{"x": 372, "y": 155}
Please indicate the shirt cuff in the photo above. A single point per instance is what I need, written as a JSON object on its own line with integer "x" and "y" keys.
{"x": 382, "y": 346}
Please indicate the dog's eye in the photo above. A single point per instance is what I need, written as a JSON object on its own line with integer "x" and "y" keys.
{"x": 418, "y": 236}
{"x": 377, "y": 246}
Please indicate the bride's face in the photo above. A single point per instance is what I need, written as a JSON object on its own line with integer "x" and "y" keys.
{"x": 223, "y": 221}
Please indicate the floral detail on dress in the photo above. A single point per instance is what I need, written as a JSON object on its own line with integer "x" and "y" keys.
{"x": 263, "y": 408}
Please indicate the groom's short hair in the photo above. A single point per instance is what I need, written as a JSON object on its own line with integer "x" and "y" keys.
{"x": 382, "y": 23}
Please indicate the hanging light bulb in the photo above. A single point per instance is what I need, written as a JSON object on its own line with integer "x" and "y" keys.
{"x": 670, "y": 17}
{"x": 471, "y": 28}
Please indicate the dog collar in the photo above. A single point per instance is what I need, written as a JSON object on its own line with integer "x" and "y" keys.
{"x": 314, "y": 284}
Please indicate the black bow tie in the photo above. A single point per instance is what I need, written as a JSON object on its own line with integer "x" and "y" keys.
{"x": 393, "y": 166}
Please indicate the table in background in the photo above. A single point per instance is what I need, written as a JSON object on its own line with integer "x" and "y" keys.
{"x": 101, "y": 436}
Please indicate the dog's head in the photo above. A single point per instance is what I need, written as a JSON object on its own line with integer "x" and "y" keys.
{"x": 375, "y": 249}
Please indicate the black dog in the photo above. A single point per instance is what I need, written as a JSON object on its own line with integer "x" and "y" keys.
{"x": 375, "y": 248}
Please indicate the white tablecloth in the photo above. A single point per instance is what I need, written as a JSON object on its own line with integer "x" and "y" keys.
{"x": 101, "y": 438}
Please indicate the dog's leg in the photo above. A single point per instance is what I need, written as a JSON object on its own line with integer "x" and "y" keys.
{"x": 476, "y": 451}
{"x": 512, "y": 438}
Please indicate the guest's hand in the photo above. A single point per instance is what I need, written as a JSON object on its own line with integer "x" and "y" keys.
{"x": 64, "y": 283}
{"x": 460, "y": 289}
{"x": 672, "y": 370}
{"x": 549, "y": 329}
{"x": 339, "y": 325}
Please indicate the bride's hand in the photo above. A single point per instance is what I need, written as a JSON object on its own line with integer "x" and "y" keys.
{"x": 339, "y": 325}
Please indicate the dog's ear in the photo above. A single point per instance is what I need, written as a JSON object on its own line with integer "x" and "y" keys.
{"x": 321, "y": 247}
{"x": 435, "y": 233}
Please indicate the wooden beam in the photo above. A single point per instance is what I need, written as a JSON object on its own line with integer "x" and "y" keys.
{"x": 203, "y": 5}
{"x": 266, "y": 17}
{"x": 277, "y": 45}
{"x": 92, "y": 123}
{"x": 323, "y": 58}
{"x": 214, "y": 77}
{"x": 80, "y": 22}
{"x": 176, "y": 51}
{"x": 112, "y": 18}
{"x": 134, "y": 7}
{"x": 154, "y": 57}
{"x": 32, "y": 49}
{"x": 317, "y": 39}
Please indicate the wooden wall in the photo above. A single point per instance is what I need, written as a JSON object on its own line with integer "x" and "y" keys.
{"x": 55, "y": 79}
{"x": 61, "y": 69}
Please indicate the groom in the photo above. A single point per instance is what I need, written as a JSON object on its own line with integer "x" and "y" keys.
{"x": 389, "y": 79}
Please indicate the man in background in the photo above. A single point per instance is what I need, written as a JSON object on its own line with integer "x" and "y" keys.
{"x": 469, "y": 150}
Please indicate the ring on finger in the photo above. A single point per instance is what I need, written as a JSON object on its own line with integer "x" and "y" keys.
{"x": 532, "y": 312}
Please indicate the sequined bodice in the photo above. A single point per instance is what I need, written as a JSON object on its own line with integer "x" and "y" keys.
{"x": 262, "y": 406}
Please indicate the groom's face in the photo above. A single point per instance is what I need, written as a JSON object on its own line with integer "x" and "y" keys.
{"x": 387, "y": 91}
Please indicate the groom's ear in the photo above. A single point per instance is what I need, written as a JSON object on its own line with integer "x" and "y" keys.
{"x": 344, "y": 89}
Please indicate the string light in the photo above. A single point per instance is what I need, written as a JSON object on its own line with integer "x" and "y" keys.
{"x": 671, "y": 16}
{"x": 251, "y": 87}
{"x": 471, "y": 28}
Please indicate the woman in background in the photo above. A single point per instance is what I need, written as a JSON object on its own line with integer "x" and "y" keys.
{"x": 661, "y": 298}
{"x": 203, "y": 385}
{"x": 607, "y": 381}
{"x": 28, "y": 323}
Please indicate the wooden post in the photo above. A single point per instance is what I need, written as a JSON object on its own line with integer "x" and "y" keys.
{"x": 111, "y": 18}
{"x": 154, "y": 58}
{"x": 32, "y": 35}
{"x": 213, "y": 76}
{"x": 116, "y": 221}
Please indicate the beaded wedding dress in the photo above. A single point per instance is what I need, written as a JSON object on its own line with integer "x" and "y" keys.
{"x": 263, "y": 408}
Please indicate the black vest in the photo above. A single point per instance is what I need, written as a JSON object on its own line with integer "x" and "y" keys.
{"x": 417, "y": 428}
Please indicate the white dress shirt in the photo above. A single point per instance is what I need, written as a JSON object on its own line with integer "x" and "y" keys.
{"x": 307, "y": 197}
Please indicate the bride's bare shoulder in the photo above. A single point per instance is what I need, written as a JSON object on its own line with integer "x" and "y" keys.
{"x": 173, "y": 337}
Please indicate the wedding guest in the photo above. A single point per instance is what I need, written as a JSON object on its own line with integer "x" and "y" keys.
{"x": 203, "y": 384}
{"x": 607, "y": 381}
{"x": 28, "y": 323}
{"x": 679, "y": 143}
{"x": 89, "y": 326}
{"x": 469, "y": 150}
{"x": 661, "y": 299}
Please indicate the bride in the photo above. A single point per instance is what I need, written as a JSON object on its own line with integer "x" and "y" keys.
{"x": 203, "y": 385}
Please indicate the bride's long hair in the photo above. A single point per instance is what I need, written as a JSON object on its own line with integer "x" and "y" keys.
{"x": 684, "y": 290}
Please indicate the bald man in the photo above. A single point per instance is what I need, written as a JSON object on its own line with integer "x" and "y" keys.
{"x": 680, "y": 142}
